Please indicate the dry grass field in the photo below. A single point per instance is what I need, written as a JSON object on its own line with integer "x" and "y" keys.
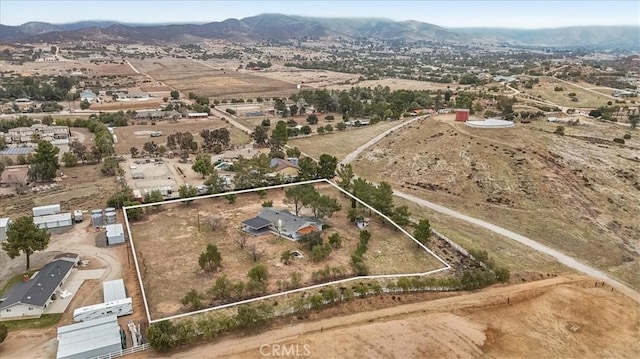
{"x": 578, "y": 193}
{"x": 128, "y": 138}
{"x": 168, "y": 244}
{"x": 126, "y": 105}
{"x": 190, "y": 76}
{"x": 586, "y": 99}
{"x": 339, "y": 143}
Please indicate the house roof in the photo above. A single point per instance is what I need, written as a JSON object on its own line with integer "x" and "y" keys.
{"x": 290, "y": 222}
{"x": 281, "y": 164}
{"x": 97, "y": 336}
{"x": 39, "y": 289}
{"x": 256, "y": 223}
{"x": 114, "y": 230}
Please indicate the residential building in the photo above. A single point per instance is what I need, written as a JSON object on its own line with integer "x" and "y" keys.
{"x": 282, "y": 222}
{"x": 38, "y": 132}
{"x": 286, "y": 168}
{"x": 88, "y": 96}
{"x": 30, "y": 298}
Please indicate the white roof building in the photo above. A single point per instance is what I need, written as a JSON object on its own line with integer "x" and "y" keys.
{"x": 89, "y": 339}
{"x": 113, "y": 290}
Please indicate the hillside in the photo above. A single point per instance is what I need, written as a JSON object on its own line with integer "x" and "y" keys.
{"x": 577, "y": 193}
{"x": 284, "y": 27}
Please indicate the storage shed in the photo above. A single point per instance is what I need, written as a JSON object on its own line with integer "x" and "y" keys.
{"x": 4, "y": 223}
{"x": 90, "y": 339}
{"x": 53, "y": 221}
{"x": 113, "y": 290}
{"x": 46, "y": 210}
{"x": 115, "y": 234}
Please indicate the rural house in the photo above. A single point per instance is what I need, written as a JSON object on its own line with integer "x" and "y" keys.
{"x": 30, "y": 298}
{"x": 281, "y": 221}
{"x": 286, "y": 168}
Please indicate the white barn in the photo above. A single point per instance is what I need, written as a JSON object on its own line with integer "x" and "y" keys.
{"x": 89, "y": 339}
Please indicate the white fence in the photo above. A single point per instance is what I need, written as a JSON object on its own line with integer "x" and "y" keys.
{"x": 124, "y": 352}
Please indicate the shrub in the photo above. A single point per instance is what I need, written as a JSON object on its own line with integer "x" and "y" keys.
{"x": 619, "y": 140}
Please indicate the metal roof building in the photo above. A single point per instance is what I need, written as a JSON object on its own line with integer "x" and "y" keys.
{"x": 89, "y": 339}
{"x": 113, "y": 290}
{"x": 53, "y": 221}
{"x": 115, "y": 234}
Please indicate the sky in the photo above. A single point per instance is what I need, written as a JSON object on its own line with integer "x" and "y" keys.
{"x": 505, "y": 13}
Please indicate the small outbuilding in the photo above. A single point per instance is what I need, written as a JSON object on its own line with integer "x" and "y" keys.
{"x": 115, "y": 234}
{"x": 4, "y": 224}
{"x": 90, "y": 339}
{"x": 53, "y": 221}
{"x": 46, "y": 210}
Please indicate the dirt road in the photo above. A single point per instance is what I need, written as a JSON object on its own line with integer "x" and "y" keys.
{"x": 232, "y": 121}
{"x": 460, "y": 326}
{"x": 353, "y": 155}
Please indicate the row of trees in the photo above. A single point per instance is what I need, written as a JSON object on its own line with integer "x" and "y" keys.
{"x": 306, "y": 195}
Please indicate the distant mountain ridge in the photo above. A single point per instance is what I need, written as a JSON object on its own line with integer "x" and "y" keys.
{"x": 284, "y": 27}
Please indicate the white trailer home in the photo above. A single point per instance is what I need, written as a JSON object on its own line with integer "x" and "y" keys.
{"x": 117, "y": 307}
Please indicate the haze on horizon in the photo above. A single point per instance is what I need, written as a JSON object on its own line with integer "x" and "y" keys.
{"x": 451, "y": 14}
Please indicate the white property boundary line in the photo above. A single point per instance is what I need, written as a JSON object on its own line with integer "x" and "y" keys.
{"x": 274, "y": 295}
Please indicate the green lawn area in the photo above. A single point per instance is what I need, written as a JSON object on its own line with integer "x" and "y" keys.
{"x": 46, "y": 320}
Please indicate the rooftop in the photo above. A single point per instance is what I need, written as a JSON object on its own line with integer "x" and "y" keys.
{"x": 77, "y": 339}
{"x": 115, "y": 230}
{"x": 39, "y": 289}
{"x": 14, "y": 151}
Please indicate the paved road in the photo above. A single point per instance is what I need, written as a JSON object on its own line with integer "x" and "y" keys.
{"x": 559, "y": 256}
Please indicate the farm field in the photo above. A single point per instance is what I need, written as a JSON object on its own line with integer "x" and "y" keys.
{"x": 169, "y": 241}
{"x": 575, "y": 192}
{"x": 127, "y": 137}
{"x": 340, "y": 143}
{"x": 586, "y": 99}
{"x": 205, "y": 80}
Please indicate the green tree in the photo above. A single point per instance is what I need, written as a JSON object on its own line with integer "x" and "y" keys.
{"x": 320, "y": 130}
{"x": 299, "y": 195}
{"x": 192, "y": 299}
{"x": 383, "y": 199}
{"x": 559, "y": 130}
{"x": 422, "y": 231}
{"x": 175, "y": 94}
{"x": 280, "y": 135}
{"x": 119, "y": 199}
{"x": 308, "y": 169}
{"x": 335, "y": 241}
{"x": 134, "y": 152}
{"x": 293, "y": 109}
{"x": 401, "y": 215}
{"x": 293, "y": 152}
{"x": 110, "y": 166}
{"x": 324, "y": 206}
{"x": 634, "y": 120}
{"x": 215, "y": 183}
{"x": 203, "y": 165}
{"x": 153, "y": 196}
{"x": 345, "y": 172}
{"x": 222, "y": 289}
{"x": 45, "y": 162}
{"x": 160, "y": 335}
{"x": 259, "y": 274}
{"x": 211, "y": 258}
{"x": 3, "y": 143}
{"x": 69, "y": 159}
{"x": 84, "y": 105}
{"x": 329, "y": 118}
{"x": 25, "y": 237}
{"x": 187, "y": 191}
{"x": 260, "y": 135}
{"x": 327, "y": 166}
{"x": 341, "y": 126}
{"x": 312, "y": 119}
{"x": 249, "y": 316}
{"x": 286, "y": 257}
{"x": 231, "y": 198}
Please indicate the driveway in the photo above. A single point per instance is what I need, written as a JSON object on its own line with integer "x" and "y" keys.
{"x": 72, "y": 285}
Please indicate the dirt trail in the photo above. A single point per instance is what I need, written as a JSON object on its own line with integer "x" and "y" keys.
{"x": 460, "y": 326}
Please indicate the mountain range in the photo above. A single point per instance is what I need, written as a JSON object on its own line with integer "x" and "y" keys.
{"x": 285, "y": 27}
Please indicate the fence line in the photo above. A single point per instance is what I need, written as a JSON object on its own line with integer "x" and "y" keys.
{"x": 124, "y": 352}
